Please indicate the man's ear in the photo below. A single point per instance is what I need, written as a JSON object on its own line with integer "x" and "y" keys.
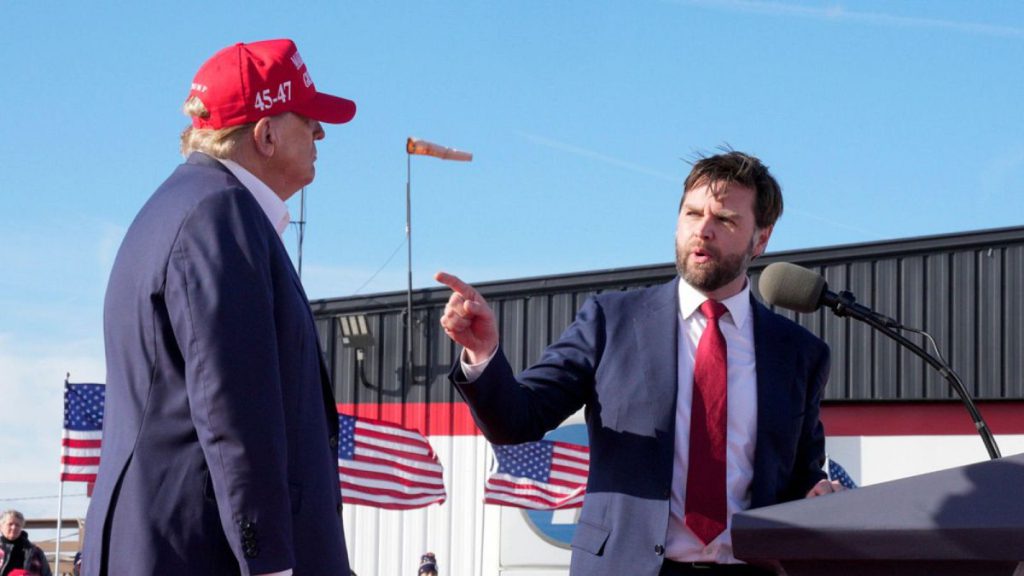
{"x": 761, "y": 236}
{"x": 264, "y": 137}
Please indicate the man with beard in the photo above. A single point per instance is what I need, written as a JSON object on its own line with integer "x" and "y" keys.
{"x": 700, "y": 402}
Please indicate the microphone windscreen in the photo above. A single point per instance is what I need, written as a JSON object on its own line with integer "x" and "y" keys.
{"x": 792, "y": 287}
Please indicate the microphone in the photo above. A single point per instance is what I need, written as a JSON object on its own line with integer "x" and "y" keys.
{"x": 424, "y": 148}
{"x": 801, "y": 290}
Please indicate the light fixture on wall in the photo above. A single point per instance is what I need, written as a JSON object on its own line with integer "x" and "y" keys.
{"x": 355, "y": 333}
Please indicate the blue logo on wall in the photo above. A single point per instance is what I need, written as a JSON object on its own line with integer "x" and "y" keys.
{"x": 557, "y": 527}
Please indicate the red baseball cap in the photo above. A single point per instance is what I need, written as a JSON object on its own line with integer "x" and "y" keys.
{"x": 246, "y": 82}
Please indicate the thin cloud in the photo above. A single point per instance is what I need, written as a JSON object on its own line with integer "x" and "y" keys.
{"x": 675, "y": 179}
{"x": 837, "y": 13}
{"x": 833, "y": 223}
{"x": 572, "y": 149}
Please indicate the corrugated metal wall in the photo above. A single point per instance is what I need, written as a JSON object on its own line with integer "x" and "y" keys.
{"x": 967, "y": 290}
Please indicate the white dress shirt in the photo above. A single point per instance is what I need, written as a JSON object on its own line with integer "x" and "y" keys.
{"x": 681, "y": 544}
{"x": 272, "y": 205}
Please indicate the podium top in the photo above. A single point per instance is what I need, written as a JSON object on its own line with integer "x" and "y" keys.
{"x": 973, "y": 512}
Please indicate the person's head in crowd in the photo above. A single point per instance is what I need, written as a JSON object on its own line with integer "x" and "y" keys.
{"x": 12, "y": 523}
{"x": 428, "y": 565}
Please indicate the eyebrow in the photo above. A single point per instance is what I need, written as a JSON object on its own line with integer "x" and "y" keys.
{"x": 726, "y": 212}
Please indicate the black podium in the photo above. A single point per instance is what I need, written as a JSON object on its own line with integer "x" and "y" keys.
{"x": 966, "y": 521}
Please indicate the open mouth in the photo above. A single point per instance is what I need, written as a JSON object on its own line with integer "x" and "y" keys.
{"x": 700, "y": 254}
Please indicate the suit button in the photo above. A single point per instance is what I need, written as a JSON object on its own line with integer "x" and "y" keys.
{"x": 659, "y": 549}
{"x": 251, "y": 550}
{"x": 334, "y": 442}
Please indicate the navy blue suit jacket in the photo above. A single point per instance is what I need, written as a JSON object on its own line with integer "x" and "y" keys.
{"x": 619, "y": 360}
{"x": 220, "y": 431}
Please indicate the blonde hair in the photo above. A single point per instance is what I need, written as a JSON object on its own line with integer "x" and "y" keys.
{"x": 217, "y": 143}
{"x": 18, "y": 516}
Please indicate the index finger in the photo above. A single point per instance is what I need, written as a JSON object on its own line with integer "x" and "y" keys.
{"x": 457, "y": 285}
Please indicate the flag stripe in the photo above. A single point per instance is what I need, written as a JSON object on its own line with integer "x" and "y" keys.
{"x": 532, "y": 503}
{"x": 507, "y": 483}
{"x": 79, "y": 461}
{"x": 384, "y": 452}
{"x": 82, "y": 444}
{"x": 390, "y": 503}
{"x": 409, "y": 467}
{"x": 557, "y": 466}
{"x": 385, "y": 444}
{"x": 77, "y": 452}
{"x": 387, "y": 488}
{"x": 374, "y": 456}
{"x": 382, "y": 472}
{"x": 537, "y": 501}
{"x": 74, "y": 476}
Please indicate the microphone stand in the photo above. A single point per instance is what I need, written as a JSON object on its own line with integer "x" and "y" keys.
{"x": 845, "y": 305}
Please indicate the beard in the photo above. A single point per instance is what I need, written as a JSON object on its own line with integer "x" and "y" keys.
{"x": 716, "y": 272}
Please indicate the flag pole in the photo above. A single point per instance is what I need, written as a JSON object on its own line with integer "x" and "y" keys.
{"x": 60, "y": 485}
{"x": 408, "y": 294}
{"x": 419, "y": 147}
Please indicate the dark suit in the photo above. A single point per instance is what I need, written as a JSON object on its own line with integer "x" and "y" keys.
{"x": 619, "y": 359}
{"x": 220, "y": 432}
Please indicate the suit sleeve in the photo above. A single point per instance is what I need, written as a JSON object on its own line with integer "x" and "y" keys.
{"x": 513, "y": 410}
{"x": 221, "y": 303}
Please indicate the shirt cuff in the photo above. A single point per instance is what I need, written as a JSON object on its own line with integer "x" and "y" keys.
{"x": 281, "y": 573}
{"x": 473, "y": 371}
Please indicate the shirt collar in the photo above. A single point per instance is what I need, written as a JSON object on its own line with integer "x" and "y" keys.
{"x": 738, "y": 304}
{"x": 272, "y": 205}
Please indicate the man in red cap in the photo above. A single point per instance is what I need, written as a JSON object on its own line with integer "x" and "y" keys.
{"x": 221, "y": 434}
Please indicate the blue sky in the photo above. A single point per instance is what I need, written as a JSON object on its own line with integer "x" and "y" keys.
{"x": 881, "y": 120}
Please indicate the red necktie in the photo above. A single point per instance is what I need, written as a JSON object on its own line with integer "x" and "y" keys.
{"x": 705, "y": 480}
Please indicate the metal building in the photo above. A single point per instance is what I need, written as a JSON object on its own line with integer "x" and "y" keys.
{"x": 965, "y": 289}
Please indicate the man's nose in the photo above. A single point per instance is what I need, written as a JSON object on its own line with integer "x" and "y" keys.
{"x": 704, "y": 227}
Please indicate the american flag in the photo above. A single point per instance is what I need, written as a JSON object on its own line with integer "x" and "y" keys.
{"x": 544, "y": 475}
{"x": 83, "y": 432}
{"x": 837, "y": 472}
{"x": 386, "y": 466}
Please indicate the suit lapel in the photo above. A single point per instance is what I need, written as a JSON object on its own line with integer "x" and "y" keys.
{"x": 775, "y": 363}
{"x": 770, "y": 359}
{"x": 656, "y": 328}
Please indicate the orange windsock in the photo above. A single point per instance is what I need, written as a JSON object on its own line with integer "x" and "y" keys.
{"x": 424, "y": 148}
